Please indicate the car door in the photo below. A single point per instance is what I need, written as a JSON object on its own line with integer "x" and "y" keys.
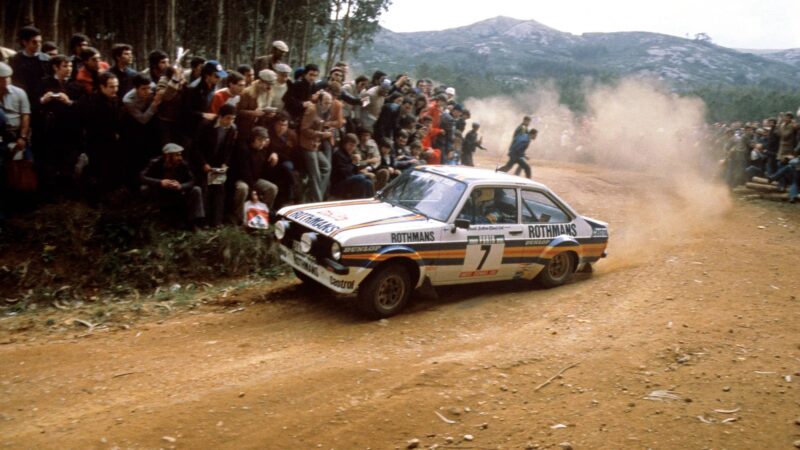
{"x": 478, "y": 252}
{"x": 543, "y": 221}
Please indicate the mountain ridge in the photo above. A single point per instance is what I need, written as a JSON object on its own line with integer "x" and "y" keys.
{"x": 519, "y": 49}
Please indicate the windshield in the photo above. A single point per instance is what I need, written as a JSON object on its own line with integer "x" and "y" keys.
{"x": 426, "y": 193}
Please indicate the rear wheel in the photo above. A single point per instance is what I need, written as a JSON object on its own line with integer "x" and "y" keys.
{"x": 558, "y": 270}
{"x": 385, "y": 292}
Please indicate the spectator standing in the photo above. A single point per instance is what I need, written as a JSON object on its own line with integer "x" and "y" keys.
{"x": 472, "y": 141}
{"x": 316, "y": 140}
{"x": 157, "y": 63}
{"x": 283, "y": 144}
{"x": 247, "y": 73}
{"x": 228, "y": 95}
{"x": 198, "y": 95}
{"x": 300, "y": 94}
{"x": 278, "y": 50}
{"x": 88, "y": 76}
{"x": 139, "y": 125}
{"x": 77, "y": 43}
{"x": 101, "y": 122}
{"x": 772, "y": 146}
{"x": 59, "y": 135}
{"x": 282, "y": 72}
{"x": 30, "y": 65}
{"x": 787, "y": 131}
{"x": 210, "y": 158}
{"x": 122, "y": 54}
{"x": 255, "y": 107}
{"x": 372, "y": 103}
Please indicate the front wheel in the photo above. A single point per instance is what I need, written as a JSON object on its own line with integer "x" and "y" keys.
{"x": 385, "y": 292}
{"x": 558, "y": 270}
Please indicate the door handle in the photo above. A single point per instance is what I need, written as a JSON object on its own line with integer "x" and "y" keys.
{"x": 516, "y": 232}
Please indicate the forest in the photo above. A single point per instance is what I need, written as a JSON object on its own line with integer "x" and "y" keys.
{"x": 232, "y": 31}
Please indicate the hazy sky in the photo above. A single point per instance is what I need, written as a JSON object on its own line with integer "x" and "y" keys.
{"x": 756, "y": 24}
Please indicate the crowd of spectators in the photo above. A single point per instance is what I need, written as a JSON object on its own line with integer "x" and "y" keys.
{"x": 768, "y": 149}
{"x": 202, "y": 141}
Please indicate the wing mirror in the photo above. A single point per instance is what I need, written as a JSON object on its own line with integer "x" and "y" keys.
{"x": 461, "y": 223}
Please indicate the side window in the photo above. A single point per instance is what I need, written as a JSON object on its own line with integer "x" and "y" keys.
{"x": 490, "y": 205}
{"x": 538, "y": 208}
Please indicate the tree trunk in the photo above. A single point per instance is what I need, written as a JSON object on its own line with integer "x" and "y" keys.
{"x": 56, "y": 19}
{"x": 292, "y": 42}
{"x": 332, "y": 35}
{"x": 304, "y": 43}
{"x": 271, "y": 23}
{"x": 30, "y": 17}
{"x": 170, "y": 35}
{"x": 256, "y": 33}
{"x": 345, "y": 31}
{"x": 220, "y": 24}
{"x": 156, "y": 21}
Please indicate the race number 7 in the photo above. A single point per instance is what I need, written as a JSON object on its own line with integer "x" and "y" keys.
{"x": 483, "y": 256}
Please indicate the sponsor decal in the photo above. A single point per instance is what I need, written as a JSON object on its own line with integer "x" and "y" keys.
{"x": 480, "y": 240}
{"x": 362, "y": 249}
{"x": 339, "y": 216}
{"x": 303, "y": 262}
{"x": 313, "y": 221}
{"x": 600, "y": 232}
{"x": 537, "y": 242}
{"x": 551, "y": 231}
{"x": 414, "y": 236}
{"x": 342, "y": 284}
{"x": 477, "y": 273}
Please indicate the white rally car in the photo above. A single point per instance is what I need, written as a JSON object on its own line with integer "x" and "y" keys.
{"x": 446, "y": 224}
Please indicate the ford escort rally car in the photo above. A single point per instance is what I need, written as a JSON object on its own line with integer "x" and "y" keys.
{"x": 446, "y": 224}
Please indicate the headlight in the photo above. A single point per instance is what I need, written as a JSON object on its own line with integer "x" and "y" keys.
{"x": 307, "y": 242}
{"x": 280, "y": 229}
{"x": 336, "y": 251}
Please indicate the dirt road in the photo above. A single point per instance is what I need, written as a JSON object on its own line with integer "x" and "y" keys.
{"x": 698, "y": 297}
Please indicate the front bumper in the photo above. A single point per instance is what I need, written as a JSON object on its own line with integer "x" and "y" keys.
{"x": 325, "y": 271}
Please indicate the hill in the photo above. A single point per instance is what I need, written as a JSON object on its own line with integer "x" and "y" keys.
{"x": 514, "y": 50}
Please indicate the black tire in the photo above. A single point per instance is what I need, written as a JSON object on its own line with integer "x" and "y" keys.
{"x": 385, "y": 292}
{"x": 558, "y": 270}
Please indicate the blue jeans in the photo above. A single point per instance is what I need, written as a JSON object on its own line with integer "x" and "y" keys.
{"x": 788, "y": 175}
{"x": 318, "y": 168}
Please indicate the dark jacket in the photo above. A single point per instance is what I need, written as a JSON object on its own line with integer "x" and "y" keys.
{"x": 470, "y": 142}
{"x": 520, "y": 144}
{"x": 207, "y": 149}
{"x": 101, "y": 118}
{"x": 29, "y": 71}
{"x": 299, "y": 92}
{"x": 387, "y": 122}
{"x": 342, "y": 166}
{"x": 125, "y": 77}
{"x": 196, "y": 101}
{"x": 155, "y": 171}
{"x": 247, "y": 165}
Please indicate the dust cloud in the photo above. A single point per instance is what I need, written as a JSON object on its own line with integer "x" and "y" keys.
{"x": 648, "y": 148}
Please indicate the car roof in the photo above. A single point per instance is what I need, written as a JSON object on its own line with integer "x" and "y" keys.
{"x": 476, "y": 176}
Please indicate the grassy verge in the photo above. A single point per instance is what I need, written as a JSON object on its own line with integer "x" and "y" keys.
{"x": 68, "y": 254}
